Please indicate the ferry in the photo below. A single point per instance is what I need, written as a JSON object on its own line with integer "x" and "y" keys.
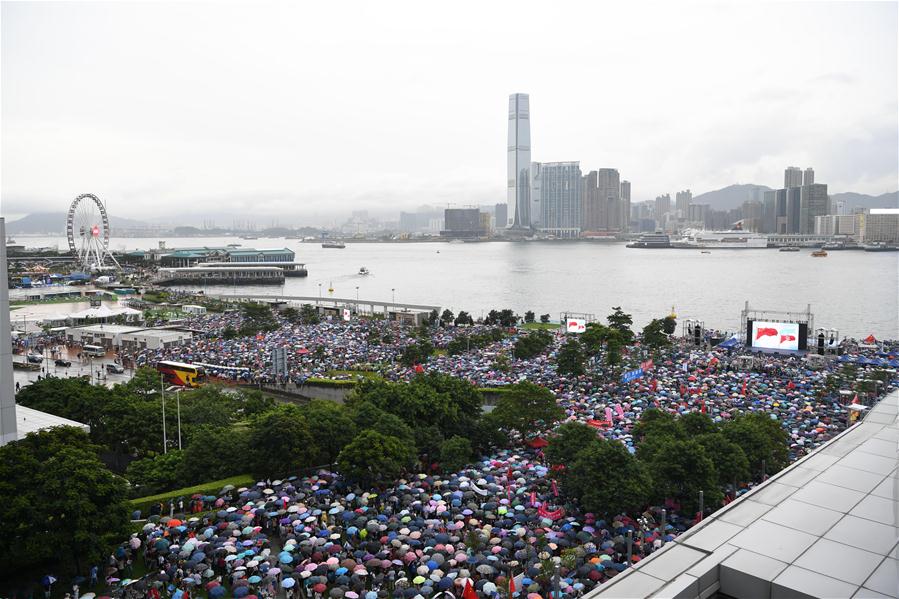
{"x": 363, "y": 271}
{"x": 789, "y": 248}
{"x": 819, "y": 254}
{"x": 721, "y": 240}
{"x": 333, "y": 245}
{"x": 651, "y": 241}
{"x": 880, "y": 247}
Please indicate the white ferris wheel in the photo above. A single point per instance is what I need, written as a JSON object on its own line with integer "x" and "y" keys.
{"x": 87, "y": 228}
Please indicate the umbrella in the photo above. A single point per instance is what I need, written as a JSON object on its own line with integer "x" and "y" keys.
{"x": 288, "y": 583}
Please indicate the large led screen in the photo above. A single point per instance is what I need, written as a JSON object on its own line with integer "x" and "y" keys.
{"x": 775, "y": 335}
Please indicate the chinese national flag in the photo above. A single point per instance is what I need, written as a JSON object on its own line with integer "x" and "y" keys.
{"x": 469, "y": 593}
{"x": 511, "y": 585}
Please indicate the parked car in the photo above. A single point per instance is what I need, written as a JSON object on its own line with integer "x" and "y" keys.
{"x": 115, "y": 368}
{"x": 35, "y": 358}
{"x": 62, "y": 362}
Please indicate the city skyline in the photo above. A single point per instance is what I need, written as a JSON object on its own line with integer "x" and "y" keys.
{"x": 280, "y": 124}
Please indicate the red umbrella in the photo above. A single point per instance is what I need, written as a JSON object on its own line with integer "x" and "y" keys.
{"x": 319, "y": 588}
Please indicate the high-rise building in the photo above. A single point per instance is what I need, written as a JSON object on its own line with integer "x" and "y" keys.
{"x": 518, "y": 160}
{"x": 880, "y": 225}
{"x": 602, "y": 205}
{"x": 682, "y": 201}
{"x": 792, "y": 177}
{"x": 560, "y": 198}
{"x": 462, "y": 223}
{"x": 808, "y": 177}
{"x": 535, "y": 203}
{"x": 834, "y": 224}
{"x": 663, "y": 207}
{"x": 813, "y": 201}
{"x": 592, "y": 210}
{"x": 625, "y": 194}
{"x": 499, "y": 215}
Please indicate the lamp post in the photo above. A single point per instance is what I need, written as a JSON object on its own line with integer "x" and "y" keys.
{"x": 393, "y": 295}
{"x": 357, "y": 294}
{"x": 165, "y": 443}
{"x": 178, "y": 404}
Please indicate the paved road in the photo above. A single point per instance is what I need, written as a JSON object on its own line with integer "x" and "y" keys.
{"x": 81, "y": 367}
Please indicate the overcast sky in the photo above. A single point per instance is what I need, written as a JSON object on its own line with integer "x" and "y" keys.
{"x": 298, "y": 110}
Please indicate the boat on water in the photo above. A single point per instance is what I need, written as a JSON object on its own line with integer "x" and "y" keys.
{"x": 819, "y": 253}
{"x": 651, "y": 241}
{"x": 789, "y": 248}
{"x": 705, "y": 252}
{"x": 363, "y": 271}
{"x": 333, "y": 245}
{"x": 720, "y": 240}
{"x": 248, "y": 237}
{"x": 880, "y": 247}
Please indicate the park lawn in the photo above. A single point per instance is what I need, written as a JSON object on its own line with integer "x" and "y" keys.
{"x": 540, "y": 326}
{"x": 366, "y": 374}
{"x": 207, "y": 488}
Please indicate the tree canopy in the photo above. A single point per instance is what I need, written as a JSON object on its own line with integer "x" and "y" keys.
{"x": 526, "y": 408}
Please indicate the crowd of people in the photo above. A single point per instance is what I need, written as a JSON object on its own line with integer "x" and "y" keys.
{"x": 491, "y": 529}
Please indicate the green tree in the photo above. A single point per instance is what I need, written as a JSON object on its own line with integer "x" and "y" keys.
{"x": 433, "y": 317}
{"x": 72, "y": 398}
{"x": 621, "y": 322}
{"x": 63, "y": 509}
{"x": 532, "y": 345}
{"x": 529, "y": 316}
{"x": 544, "y": 318}
{"x": 680, "y": 469}
{"x": 605, "y": 478}
{"x": 654, "y": 334}
{"x": 527, "y": 408}
{"x": 696, "y": 423}
{"x": 669, "y": 325}
{"x": 368, "y": 416}
{"x": 291, "y": 315}
{"x": 281, "y": 443}
{"x": 570, "y": 359}
{"x": 334, "y": 427}
{"x": 309, "y": 315}
{"x": 761, "y": 439}
{"x": 229, "y": 332}
{"x": 455, "y": 453}
{"x": 447, "y": 317}
{"x": 729, "y": 460}
{"x": 656, "y": 423}
{"x": 416, "y": 353}
{"x": 463, "y": 318}
{"x": 567, "y": 441}
{"x": 152, "y": 475}
{"x": 373, "y": 458}
{"x": 214, "y": 453}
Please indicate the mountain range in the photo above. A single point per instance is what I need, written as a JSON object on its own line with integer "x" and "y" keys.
{"x": 54, "y": 223}
{"x": 733, "y": 196}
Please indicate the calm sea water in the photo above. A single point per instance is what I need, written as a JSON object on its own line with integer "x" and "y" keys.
{"x": 852, "y": 291}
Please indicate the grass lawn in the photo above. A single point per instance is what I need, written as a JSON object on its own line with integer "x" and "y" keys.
{"x": 207, "y": 488}
{"x": 540, "y": 326}
{"x": 366, "y": 374}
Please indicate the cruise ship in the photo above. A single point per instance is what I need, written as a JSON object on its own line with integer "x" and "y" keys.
{"x": 720, "y": 240}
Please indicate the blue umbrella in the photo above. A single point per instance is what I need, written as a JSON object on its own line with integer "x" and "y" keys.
{"x": 241, "y": 592}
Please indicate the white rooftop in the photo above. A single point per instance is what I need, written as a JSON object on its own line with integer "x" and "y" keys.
{"x": 31, "y": 421}
{"x": 826, "y": 526}
{"x": 115, "y": 329}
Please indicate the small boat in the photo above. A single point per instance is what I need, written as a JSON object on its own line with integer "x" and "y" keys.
{"x": 331, "y": 288}
{"x": 790, "y": 248}
{"x": 363, "y": 271}
{"x": 334, "y": 245}
{"x": 819, "y": 254}
{"x": 248, "y": 237}
{"x": 705, "y": 252}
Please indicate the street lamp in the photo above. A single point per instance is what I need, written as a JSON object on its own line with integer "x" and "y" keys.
{"x": 319, "y": 291}
{"x": 357, "y": 294}
{"x": 393, "y": 295}
{"x": 162, "y": 393}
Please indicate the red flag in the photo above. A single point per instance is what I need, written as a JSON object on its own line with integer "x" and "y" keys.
{"x": 533, "y": 498}
{"x": 870, "y": 339}
{"x": 655, "y": 385}
{"x": 743, "y": 391}
{"x": 855, "y": 399}
{"x": 555, "y": 488}
{"x": 511, "y": 585}
{"x": 791, "y": 385}
{"x": 469, "y": 592}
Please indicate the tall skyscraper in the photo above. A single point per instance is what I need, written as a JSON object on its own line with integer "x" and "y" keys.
{"x": 560, "y": 191}
{"x": 792, "y": 177}
{"x": 499, "y": 215}
{"x": 682, "y": 201}
{"x": 535, "y": 194}
{"x": 625, "y": 194}
{"x": 591, "y": 207}
{"x": 663, "y": 207}
{"x": 518, "y": 161}
{"x": 808, "y": 177}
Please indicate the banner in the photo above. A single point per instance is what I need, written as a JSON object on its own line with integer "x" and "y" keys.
{"x": 647, "y": 365}
{"x": 632, "y": 375}
{"x": 544, "y": 512}
{"x": 575, "y": 325}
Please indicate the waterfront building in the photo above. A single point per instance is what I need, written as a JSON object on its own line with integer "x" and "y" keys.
{"x": 184, "y": 257}
{"x": 792, "y": 177}
{"x": 462, "y": 223}
{"x": 518, "y": 161}
{"x": 752, "y": 215}
{"x": 500, "y": 212}
{"x": 625, "y": 194}
{"x": 560, "y": 194}
{"x": 813, "y": 201}
{"x": 836, "y": 224}
{"x": 880, "y": 225}
{"x": 592, "y": 210}
{"x": 601, "y": 206}
{"x": 535, "y": 192}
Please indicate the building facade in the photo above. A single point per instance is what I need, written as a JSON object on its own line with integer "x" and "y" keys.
{"x": 462, "y": 223}
{"x": 880, "y": 225}
{"x": 625, "y": 194}
{"x": 518, "y": 160}
{"x": 682, "y": 201}
{"x": 836, "y": 224}
{"x": 792, "y": 177}
{"x": 560, "y": 192}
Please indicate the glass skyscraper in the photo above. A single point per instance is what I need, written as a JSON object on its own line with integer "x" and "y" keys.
{"x": 518, "y": 161}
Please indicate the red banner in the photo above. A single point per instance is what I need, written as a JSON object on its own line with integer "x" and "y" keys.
{"x": 647, "y": 365}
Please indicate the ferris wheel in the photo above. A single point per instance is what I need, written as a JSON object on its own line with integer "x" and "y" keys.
{"x": 87, "y": 228}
